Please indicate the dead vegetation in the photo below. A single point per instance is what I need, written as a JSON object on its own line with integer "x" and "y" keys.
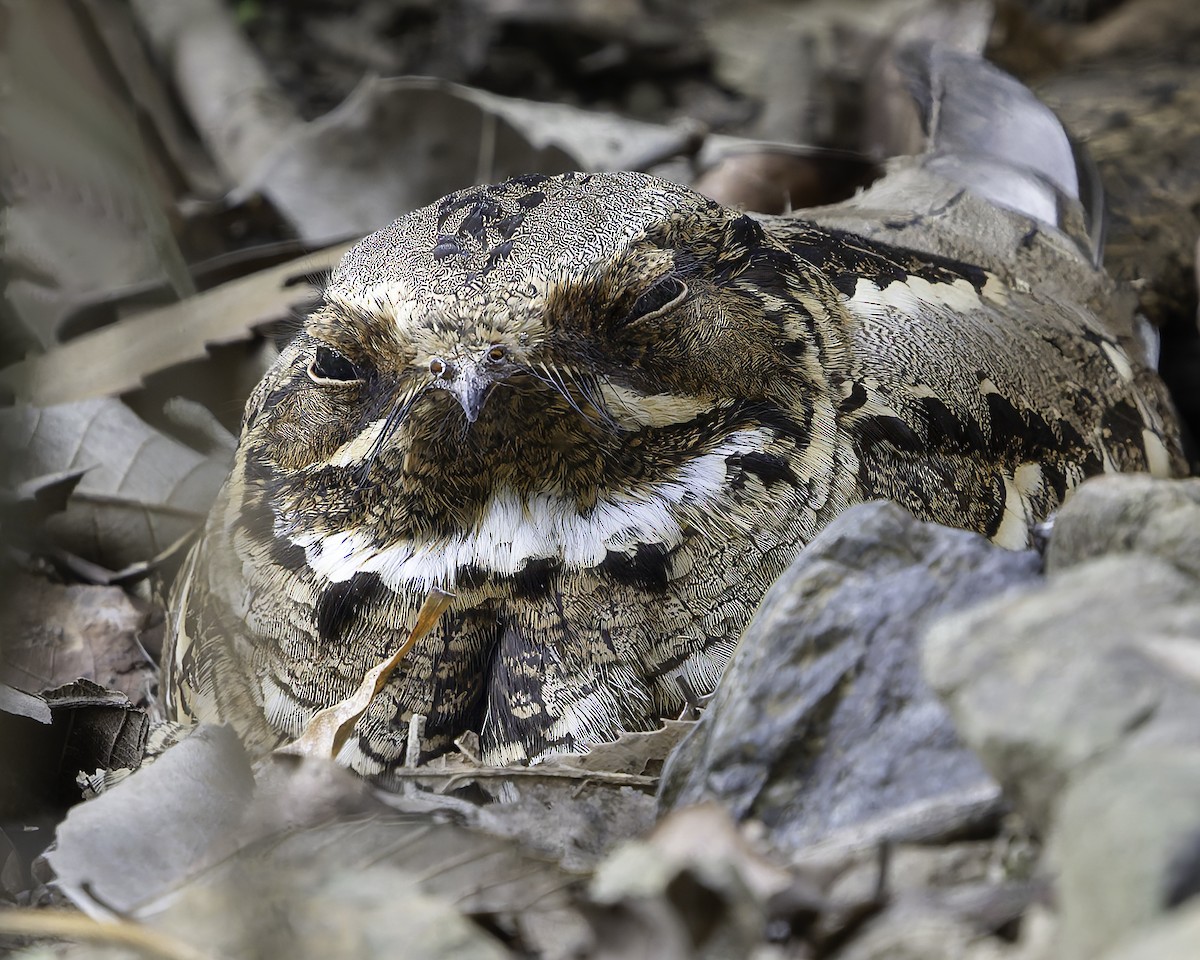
{"x": 178, "y": 178}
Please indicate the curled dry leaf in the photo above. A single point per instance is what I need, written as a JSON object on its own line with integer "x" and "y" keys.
{"x": 326, "y": 733}
{"x": 141, "y": 490}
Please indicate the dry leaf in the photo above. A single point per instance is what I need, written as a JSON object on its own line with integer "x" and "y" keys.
{"x": 150, "y": 90}
{"x": 394, "y": 145}
{"x": 86, "y": 204}
{"x": 303, "y": 860}
{"x": 327, "y": 732}
{"x": 141, "y": 490}
{"x": 119, "y": 357}
{"x": 775, "y": 179}
{"x": 54, "y": 633}
{"x": 635, "y": 753}
{"x": 18, "y": 703}
{"x": 157, "y": 828}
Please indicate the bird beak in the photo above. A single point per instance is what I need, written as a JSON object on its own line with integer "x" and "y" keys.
{"x": 471, "y": 388}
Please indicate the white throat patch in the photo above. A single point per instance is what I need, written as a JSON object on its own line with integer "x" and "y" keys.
{"x": 514, "y": 529}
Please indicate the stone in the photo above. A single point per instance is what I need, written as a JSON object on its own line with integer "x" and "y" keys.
{"x": 823, "y": 722}
{"x": 1126, "y": 513}
{"x": 1040, "y": 685}
{"x": 1127, "y": 846}
{"x": 1174, "y": 937}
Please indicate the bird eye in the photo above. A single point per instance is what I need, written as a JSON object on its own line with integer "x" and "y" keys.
{"x": 663, "y": 294}
{"x": 329, "y": 366}
{"x": 497, "y": 353}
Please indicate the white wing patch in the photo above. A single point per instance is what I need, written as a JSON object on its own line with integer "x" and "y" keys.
{"x": 914, "y": 296}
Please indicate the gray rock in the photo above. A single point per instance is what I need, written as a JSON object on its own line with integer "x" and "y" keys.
{"x": 823, "y": 721}
{"x": 1176, "y": 937}
{"x": 1042, "y": 684}
{"x": 1124, "y": 513}
{"x": 1127, "y": 844}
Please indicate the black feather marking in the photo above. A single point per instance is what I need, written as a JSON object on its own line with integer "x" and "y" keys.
{"x": 470, "y": 576}
{"x": 1010, "y": 426}
{"x": 257, "y": 519}
{"x": 290, "y": 556}
{"x": 342, "y": 603}
{"x": 515, "y": 700}
{"x": 856, "y": 398}
{"x": 472, "y": 225}
{"x": 535, "y": 579}
{"x": 646, "y": 567}
{"x": 529, "y": 180}
{"x": 845, "y": 283}
{"x": 783, "y": 425}
{"x": 745, "y": 232}
{"x": 892, "y": 431}
{"x": 770, "y": 468}
{"x": 998, "y": 501}
{"x": 448, "y": 246}
{"x": 257, "y": 471}
{"x": 845, "y": 258}
{"x": 946, "y": 429}
{"x": 499, "y": 252}
{"x": 1054, "y": 477}
{"x": 1124, "y": 424}
{"x": 509, "y": 225}
{"x": 454, "y": 203}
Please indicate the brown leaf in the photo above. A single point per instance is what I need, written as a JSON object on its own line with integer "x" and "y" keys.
{"x": 55, "y": 633}
{"x": 119, "y": 357}
{"x": 779, "y": 180}
{"x": 634, "y": 753}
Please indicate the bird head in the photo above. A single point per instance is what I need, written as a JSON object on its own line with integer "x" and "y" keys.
{"x": 573, "y": 337}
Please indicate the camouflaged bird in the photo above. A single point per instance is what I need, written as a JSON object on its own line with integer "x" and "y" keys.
{"x": 604, "y": 413}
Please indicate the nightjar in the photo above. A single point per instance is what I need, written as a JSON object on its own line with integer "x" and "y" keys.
{"x": 604, "y": 413}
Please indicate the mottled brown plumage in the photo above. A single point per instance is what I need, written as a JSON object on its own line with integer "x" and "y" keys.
{"x": 605, "y": 413}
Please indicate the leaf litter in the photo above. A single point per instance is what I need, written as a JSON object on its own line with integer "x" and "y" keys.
{"x": 200, "y": 852}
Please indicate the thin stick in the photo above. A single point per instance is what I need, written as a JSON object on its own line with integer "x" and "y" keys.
{"x": 61, "y": 925}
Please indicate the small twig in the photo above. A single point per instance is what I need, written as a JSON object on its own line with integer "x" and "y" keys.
{"x": 501, "y": 773}
{"x": 416, "y": 732}
{"x": 694, "y": 704}
{"x": 60, "y": 925}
